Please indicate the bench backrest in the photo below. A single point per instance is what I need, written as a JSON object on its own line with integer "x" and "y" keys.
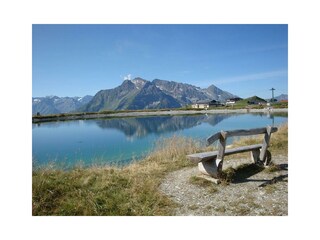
{"x": 223, "y": 135}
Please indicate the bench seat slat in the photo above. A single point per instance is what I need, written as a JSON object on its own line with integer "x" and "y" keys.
{"x": 204, "y": 156}
{"x": 240, "y": 132}
{"x": 254, "y": 131}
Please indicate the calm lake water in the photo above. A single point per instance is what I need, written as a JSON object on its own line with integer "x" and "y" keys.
{"x": 121, "y": 140}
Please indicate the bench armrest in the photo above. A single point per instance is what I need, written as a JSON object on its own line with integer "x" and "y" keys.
{"x": 213, "y": 138}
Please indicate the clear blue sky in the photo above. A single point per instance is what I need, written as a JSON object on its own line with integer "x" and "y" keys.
{"x": 78, "y": 60}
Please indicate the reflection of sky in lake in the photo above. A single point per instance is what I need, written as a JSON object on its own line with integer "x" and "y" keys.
{"x": 118, "y": 141}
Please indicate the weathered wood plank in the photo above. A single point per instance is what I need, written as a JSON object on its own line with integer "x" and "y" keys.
{"x": 209, "y": 168}
{"x": 265, "y": 143}
{"x": 221, "y": 146}
{"x": 205, "y": 156}
{"x": 255, "y": 156}
{"x": 247, "y": 148}
{"x": 253, "y": 131}
{"x": 213, "y": 138}
{"x": 241, "y": 132}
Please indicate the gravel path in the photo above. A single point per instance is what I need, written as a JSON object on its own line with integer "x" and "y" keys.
{"x": 263, "y": 193}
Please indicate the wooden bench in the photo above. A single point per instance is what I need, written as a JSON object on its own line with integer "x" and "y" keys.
{"x": 210, "y": 163}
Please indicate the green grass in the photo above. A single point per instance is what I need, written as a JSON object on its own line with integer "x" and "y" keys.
{"x": 280, "y": 105}
{"x": 132, "y": 190}
{"x": 128, "y": 191}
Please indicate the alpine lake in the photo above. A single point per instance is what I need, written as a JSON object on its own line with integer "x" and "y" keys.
{"x": 119, "y": 141}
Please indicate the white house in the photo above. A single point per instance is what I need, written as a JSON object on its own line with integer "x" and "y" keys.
{"x": 230, "y": 102}
{"x": 200, "y": 105}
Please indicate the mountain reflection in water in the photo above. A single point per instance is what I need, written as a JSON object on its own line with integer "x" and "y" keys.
{"x": 143, "y": 126}
{"x": 120, "y": 140}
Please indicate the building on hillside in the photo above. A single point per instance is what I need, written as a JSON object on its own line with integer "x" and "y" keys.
{"x": 206, "y": 105}
{"x": 201, "y": 105}
{"x": 232, "y": 101}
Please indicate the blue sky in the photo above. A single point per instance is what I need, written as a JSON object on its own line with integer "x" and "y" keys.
{"x": 78, "y": 60}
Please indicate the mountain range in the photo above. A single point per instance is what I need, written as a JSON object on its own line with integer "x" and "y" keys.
{"x": 54, "y": 104}
{"x": 282, "y": 97}
{"x": 142, "y": 94}
{"x": 133, "y": 95}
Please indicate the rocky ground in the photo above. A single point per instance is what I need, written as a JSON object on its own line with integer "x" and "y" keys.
{"x": 252, "y": 192}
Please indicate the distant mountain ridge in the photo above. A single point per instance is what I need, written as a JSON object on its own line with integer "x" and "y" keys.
{"x": 282, "y": 97}
{"x": 54, "y": 104}
{"x": 134, "y": 94}
{"x": 143, "y": 94}
{"x": 187, "y": 94}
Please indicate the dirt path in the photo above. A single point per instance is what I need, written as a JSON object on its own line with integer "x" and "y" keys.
{"x": 257, "y": 194}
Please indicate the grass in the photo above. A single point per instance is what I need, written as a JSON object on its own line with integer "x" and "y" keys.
{"x": 128, "y": 191}
{"x": 279, "y": 141}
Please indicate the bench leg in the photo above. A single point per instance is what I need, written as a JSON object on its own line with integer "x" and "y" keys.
{"x": 255, "y": 156}
{"x": 267, "y": 159}
{"x": 211, "y": 167}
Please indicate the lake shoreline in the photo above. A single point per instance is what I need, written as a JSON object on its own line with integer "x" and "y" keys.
{"x": 85, "y": 116}
{"x": 149, "y": 187}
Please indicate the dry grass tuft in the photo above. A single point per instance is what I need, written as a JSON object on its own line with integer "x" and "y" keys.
{"x": 279, "y": 141}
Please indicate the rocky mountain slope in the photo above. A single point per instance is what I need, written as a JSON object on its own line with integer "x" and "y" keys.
{"x": 54, "y": 104}
{"x": 186, "y": 93}
{"x": 142, "y": 94}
